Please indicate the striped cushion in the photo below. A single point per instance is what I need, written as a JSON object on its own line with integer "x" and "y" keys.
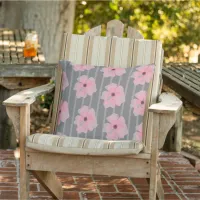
{"x": 82, "y": 146}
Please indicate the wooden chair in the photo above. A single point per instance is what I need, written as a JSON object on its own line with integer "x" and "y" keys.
{"x": 160, "y": 115}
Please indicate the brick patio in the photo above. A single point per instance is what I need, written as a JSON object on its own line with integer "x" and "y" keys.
{"x": 180, "y": 181}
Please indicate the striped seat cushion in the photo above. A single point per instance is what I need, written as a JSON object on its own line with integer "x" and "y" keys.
{"x": 82, "y": 146}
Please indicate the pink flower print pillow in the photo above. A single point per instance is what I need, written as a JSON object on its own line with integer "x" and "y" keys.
{"x": 113, "y": 95}
{"x": 103, "y": 103}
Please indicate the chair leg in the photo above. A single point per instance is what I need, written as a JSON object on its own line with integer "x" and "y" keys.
{"x": 153, "y": 185}
{"x": 154, "y": 158}
{"x": 24, "y": 131}
{"x": 160, "y": 190}
{"x": 24, "y": 182}
{"x": 50, "y": 182}
{"x": 157, "y": 189}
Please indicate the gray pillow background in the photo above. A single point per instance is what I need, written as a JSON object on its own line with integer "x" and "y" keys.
{"x": 69, "y": 128}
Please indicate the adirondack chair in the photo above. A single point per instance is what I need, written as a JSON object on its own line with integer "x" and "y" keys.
{"x": 161, "y": 114}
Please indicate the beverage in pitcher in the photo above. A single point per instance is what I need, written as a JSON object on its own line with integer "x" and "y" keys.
{"x": 31, "y": 45}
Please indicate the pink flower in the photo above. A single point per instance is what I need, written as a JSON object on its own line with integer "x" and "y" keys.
{"x": 65, "y": 82}
{"x": 138, "y": 104}
{"x": 85, "y": 86}
{"x": 114, "y": 96}
{"x": 63, "y": 112}
{"x": 86, "y": 120}
{"x": 116, "y": 128}
{"x": 112, "y": 72}
{"x": 138, "y": 136}
{"x": 143, "y": 74}
{"x": 82, "y": 67}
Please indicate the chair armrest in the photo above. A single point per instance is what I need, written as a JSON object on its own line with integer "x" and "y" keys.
{"x": 168, "y": 112}
{"x": 27, "y": 97}
{"x": 168, "y": 104}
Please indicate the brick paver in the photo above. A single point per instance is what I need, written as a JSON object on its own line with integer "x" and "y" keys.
{"x": 180, "y": 181}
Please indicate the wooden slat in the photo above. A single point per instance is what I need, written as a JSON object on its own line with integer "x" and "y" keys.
{"x": 193, "y": 76}
{"x": 22, "y": 83}
{"x": 161, "y": 79}
{"x": 194, "y": 160}
{"x": 67, "y": 46}
{"x": 50, "y": 182}
{"x": 133, "y": 33}
{"x": 193, "y": 72}
{"x": 63, "y": 46}
{"x": 56, "y": 98}
{"x": 24, "y": 131}
{"x": 104, "y": 165}
{"x": 26, "y": 70}
{"x": 115, "y": 28}
{"x": 96, "y": 31}
{"x": 154, "y": 158}
{"x": 99, "y": 51}
{"x": 156, "y": 57}
{"x": 76, "y": 49}
{"x": 146, "y": 156}
{"x": 175, "y": 73}
{"x": 28, "y": 96}
{"x": 144, "y": 52}
{"x": 121, "y": 52}
{"x": 181, "y": 88}
{"x": 85, "y": 50}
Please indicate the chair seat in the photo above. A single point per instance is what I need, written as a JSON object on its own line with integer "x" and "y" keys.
{"x": 82, "y": 146}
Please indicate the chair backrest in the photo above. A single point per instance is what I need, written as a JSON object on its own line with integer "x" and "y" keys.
{"x": 117, "y": 52}
{"x": 115, "y": 28}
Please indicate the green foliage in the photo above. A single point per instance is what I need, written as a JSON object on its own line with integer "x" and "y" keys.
{"x": 175, "y": 23}
{"x": 46, "y": 100}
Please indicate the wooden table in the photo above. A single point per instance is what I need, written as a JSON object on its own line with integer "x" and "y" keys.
{"x": 184, "y": 78}
{"x": 17, "y": 73}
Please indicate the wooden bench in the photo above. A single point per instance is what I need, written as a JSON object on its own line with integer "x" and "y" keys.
{"x": 18, "y": 73}
{"x": 11, "y": 47}
{"x": 183, "y": 78}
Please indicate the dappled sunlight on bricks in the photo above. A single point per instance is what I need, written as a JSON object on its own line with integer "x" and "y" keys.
{"x": 4, "y": 179}
{"x": 111, "y": 180}
{"x": 80, "y": 187}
